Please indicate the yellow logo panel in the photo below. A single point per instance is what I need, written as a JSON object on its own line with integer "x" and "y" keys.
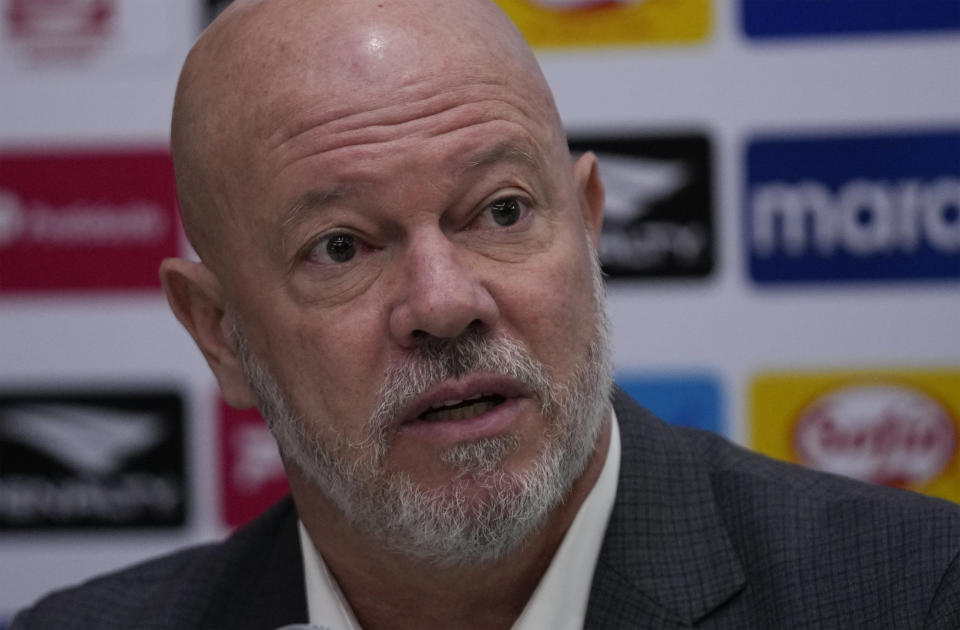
{"x": 609, "y": 22}
{"x": 899, "y": 428}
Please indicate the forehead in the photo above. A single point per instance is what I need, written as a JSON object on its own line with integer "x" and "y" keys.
{"x": 448, "y": 125}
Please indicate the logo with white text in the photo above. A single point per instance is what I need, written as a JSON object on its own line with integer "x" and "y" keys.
{"x": 78, "y": 220}
{"x": 853, "y": 208}
{"x": 89, "y": 460}
{"x": 658, "y": 210}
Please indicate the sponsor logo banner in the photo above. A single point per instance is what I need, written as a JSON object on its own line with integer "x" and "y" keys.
{"x": 609, "y": 22}
{"x": 853, "y": 208}
{"x": 88, "y": 460}
{"x": 252, "y": 476}
{"x": 792, "y": 18}
{"x": 892, "y": 427}
{"x": 658, "y": 211}
{"x": 91, "y": 36}
{"x": 85, "y": 220}
{"x": 59, "y": 28}
{"x": 685, "y": 400}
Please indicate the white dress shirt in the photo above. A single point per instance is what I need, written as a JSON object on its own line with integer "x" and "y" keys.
{"x": 560, "y": 599}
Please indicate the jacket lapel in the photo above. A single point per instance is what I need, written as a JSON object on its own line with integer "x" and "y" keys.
{"x": 266, "y": 582}
{"x": 666, "y": 560}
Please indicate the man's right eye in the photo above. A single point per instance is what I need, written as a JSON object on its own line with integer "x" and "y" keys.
{"x": 334, "y": 249}
{"x": 341, "y": 247}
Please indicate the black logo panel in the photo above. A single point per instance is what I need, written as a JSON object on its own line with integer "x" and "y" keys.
{"x": 91, "y": 460}
{"x": 658, "y": 213}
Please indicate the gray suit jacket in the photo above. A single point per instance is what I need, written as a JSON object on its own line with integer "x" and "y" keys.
{"x": 703, "y": 534}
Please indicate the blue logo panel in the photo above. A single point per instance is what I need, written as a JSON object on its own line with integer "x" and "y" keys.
{"x": 799, "y": 18}
{"x": 853, "y": 208}
{"x": 684, "y": 400}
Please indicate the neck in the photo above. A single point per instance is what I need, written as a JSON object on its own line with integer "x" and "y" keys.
{"x": 389, "y": 590}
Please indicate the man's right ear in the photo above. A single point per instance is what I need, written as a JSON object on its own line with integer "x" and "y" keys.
{"x": 195, "y": 296}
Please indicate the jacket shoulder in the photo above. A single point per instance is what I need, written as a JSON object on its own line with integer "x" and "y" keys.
{"x": 736, "y": 470}
{"x": 172, "y": 591}
{"x": 808, "y": 549}
{"x": 133, "y": 597}
{"x": 805, "y": 536}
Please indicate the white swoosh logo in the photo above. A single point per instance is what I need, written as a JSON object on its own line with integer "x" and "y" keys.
{"x": 92, "y": 440}
{"x": 631, "y": 184}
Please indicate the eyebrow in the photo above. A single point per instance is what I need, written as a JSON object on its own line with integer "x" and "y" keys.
{"x": 315, "y": 200}
{"x": 505, "y": 152}
{"x": 307, "y": 203}
{"x": 510, "y": 152}
{"x": 312, "y": 201}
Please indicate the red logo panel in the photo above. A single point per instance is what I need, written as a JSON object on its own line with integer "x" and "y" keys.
{"x": 85, "y": 220}
{"x": 252, "y": 477}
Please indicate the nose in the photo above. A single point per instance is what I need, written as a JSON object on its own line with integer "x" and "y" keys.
{"x": 440, "y": 296}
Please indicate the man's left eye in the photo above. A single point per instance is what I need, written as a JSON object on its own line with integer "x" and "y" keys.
{"x": 506, "y": 211}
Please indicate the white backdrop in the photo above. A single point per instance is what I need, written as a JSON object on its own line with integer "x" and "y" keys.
{"x": 726, "y": 86}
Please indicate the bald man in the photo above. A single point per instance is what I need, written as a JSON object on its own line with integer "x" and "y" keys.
{"x": 397, "y": 267}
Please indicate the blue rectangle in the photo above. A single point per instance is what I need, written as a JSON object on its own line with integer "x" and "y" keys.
{"x": 799, "y": 18}
{"x": 854, "y": 208}
{"x": 683, "y": 400}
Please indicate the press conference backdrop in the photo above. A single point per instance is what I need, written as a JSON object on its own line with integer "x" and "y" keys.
{"x": 782, "y": 244}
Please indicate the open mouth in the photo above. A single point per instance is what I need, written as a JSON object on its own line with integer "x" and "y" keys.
{"x": 453, "y": 410}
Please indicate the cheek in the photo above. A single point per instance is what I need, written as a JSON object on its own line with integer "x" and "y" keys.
{"x": 550, "y": 305}
{"x": 331, "y": 365}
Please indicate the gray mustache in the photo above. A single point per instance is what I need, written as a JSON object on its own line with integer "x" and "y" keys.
{"x": 438, "y": 360}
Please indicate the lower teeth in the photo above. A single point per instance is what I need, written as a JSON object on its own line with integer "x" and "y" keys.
{"x": 459, "y": 413}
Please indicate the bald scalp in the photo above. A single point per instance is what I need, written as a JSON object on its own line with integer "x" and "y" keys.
{"x": 261, "y": 59}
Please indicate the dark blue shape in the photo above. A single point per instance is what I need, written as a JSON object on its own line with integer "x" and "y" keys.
{"x": 800, "y": 18}
{"x": 831, "y": 162}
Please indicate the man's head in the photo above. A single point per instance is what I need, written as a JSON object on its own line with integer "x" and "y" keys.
{"x": 397, "y": 263}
